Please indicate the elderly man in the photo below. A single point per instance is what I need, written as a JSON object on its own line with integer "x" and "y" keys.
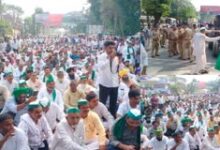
{"x": 178, "y": 143}
{"x": 17, "y": 105}
{"x": 11, "y": 137}
{"x": 100, "y": 109}
{"x": 210, "y": 142}
{"x": 193, "y": 139}
{"x": 69, "y": 134}
{"x": 94, "y": 129}
{"x": 126, "y": 132}
{"x": 51, "y": 93}
{"x": 36, "y": 127}
{"x": 9, "y": 82}
{"x": 72, "y": 95}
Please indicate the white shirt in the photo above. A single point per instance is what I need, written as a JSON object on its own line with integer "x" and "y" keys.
{"x": 36, "y": 133}
{"x": 103, "y": 112}
{"x": 183, "y": 146}
{"x": 53, "y": 115}
{"x": 107, "y": 77}
{"x": 158, "y": 145}
{"x": 193, "y": 141}
{"x": 125, "y": 108}
{"x": 58, "y": 100}
{"x": 62, "y": 86}
{"x": 10, "y": 86}
{"x": 17, "y": 142}
{"x": 66, "y": 138}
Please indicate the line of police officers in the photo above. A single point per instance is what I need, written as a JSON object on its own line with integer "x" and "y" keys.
{"x": 179, "y": 40}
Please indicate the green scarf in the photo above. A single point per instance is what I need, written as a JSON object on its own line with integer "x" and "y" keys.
{"x": 128, "y": 53}
{"x": 120, "y": 125}
{"x": 93, "y": 75}
{"x": 217, "y": 65}
{"x": 54, "y": 95}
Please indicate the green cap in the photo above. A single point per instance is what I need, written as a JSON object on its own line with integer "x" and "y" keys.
{"x": 210, "y": 130}
{"x": 33, "y": 105}
{"x": 199, "y": 113}
{"x": 134, "y": 114}
{"x": 21, "y": 90}
{"x": 72, "y": 110}
{"x": 21, "y": 82}
{"x": 44, "y": 102}
{"x": 185, "y": 120}
{"x": 83, "y": 77}
{"x": 158, "y": 131}
{"x": 82, "y": 102}
{"x": 49, "y": 79}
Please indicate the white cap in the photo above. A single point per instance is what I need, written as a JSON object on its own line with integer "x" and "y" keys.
{"x": 202, "y": 28}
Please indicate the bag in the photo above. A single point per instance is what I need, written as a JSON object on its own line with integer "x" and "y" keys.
{"x": 217, "y": 65}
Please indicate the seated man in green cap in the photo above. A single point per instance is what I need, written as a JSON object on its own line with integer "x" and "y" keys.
{"x": 69, "y": 134}
{"x": 17, "y": 105}
{"x": 36, "y": 127}
{"x": 95, "y": 135}
{"x": 51, "y": 93}
{"x": 126, "y": 132}
{"x": 159, "y": 142}
{"x": 84, "y": 86}
{"x": 210, "y": 142}
{"x": 52, "y": 112}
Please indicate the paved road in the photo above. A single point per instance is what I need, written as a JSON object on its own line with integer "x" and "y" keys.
{"x": 164, "y": 65}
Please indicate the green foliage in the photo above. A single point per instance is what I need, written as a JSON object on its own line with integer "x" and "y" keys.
{"x": 118, "y": 17}
{"x": 5, "y": 28}
{"x": 214, "y": 86}
{"x": 156, "y": 8}
{"x": 182, "y": 10}
{"x": 192, "y": 87}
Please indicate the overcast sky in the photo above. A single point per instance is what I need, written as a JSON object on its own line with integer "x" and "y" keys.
{"x": 198, "y": 3}
{"x": 52, "y": 6}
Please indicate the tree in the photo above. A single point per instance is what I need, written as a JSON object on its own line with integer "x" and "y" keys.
{"x": 5, "y": 28}
{"x": 182, "y": 10}
{"x": 156, "y": 8}
{"x": 192, "y": 87}
{"x": 214, "y": 86}
{"x": 95, "y": 12}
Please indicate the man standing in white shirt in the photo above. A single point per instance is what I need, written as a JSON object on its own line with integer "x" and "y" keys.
{"x": 108, "y": 67}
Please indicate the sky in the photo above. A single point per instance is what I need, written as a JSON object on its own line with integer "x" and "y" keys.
{"x": 198, "y": 3}
{"x": 52, "y": 6}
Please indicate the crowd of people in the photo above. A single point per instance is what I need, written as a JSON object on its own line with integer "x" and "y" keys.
{"x": 186, "y": 41}
{"x": 70, "y": 92}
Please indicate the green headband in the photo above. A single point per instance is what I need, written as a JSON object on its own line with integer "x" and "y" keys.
{"x": 134, "y": 114}
{"x": 82, "y": 102}
{"x": 33, "y": 105}
{"x": 72, "y": 110}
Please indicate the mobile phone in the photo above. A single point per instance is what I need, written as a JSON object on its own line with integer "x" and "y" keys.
{"x": 35, "y": 93}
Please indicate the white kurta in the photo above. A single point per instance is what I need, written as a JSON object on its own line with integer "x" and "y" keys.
{"x": 58, "y": 100}
{"x": 154, "y": 144}
{"x": 67, "y": 138}
{"x": 183, "y": 146}
{"x": 53, "y": 115}
{"x": 193, "y": 141}
{"x": 17, "y": 142}
{"x": 199, "y": 50}
{"x": 36, "y": 133}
